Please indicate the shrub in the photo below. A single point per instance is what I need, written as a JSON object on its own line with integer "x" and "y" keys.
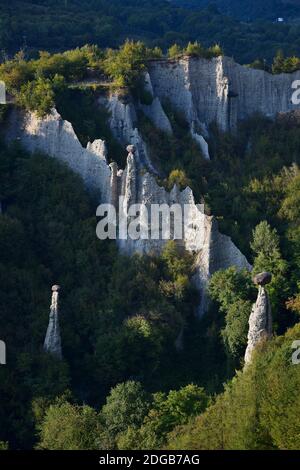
{"x": 179, "y": 178}
{"x": 38, "y": 96}
{"x": 175, "y": 51}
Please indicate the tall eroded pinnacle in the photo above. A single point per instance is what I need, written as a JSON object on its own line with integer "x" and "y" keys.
{"x": 260, "y": 321}
{"x": 52, "y": 343}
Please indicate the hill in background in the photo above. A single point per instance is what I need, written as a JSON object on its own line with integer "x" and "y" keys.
{"x": 55, "y": 25}
{"x": 249, "y": 9}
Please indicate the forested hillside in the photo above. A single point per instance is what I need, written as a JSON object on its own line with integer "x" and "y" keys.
{"x": 139, "y": 369}
{"x": 122, "y": 382}
{"x": 249, "y": 9}
{"x": 113, "y": 330}
{"x": 255, "y": 410}
{"x": 59, "y": 25}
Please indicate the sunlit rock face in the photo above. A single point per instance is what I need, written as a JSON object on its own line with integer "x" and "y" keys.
{"x": 220, "y": 90}
{"x": 260, "y": 321}
{"x": 55, "y": 137}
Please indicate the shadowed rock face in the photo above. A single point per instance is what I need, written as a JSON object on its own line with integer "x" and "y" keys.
{"x": 260, "y": 321}
{"x": 52, "y": 343}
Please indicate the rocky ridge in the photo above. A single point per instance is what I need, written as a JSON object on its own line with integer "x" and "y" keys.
{"x": 56, "y": 137}
{"x": 204, "y": 91}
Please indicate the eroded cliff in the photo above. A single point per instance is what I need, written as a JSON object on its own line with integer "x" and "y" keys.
{"x": 220, "y": 90}
{"x": 204, "y": 91}
{"x": 56, "y": 137}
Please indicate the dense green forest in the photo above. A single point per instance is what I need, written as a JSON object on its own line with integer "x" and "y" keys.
{"x": 112, "y": 329}
{"x": 249, "y": 9}
{"x": 124, "y": 382}
{"x": 57, "y": 25}
{"x": 258, "y": 410}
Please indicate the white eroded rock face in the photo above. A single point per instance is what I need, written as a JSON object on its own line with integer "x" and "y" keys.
{"x": 217, "y": 252}
{"x": 220, "y": 90}
{"x": 123, "y": 123}
{"x": 52, "y": 343}
{"x": 260, "y": 323}
{"x": 201, "y": 142}
{"x": 201, "y": 234}
{"x": 57, "y": 138}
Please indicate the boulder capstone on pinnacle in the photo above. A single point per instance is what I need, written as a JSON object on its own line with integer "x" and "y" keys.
{"x": 262, "y": 279}
{"x": 52, "y": 343}
{"x": 260, "y": 321}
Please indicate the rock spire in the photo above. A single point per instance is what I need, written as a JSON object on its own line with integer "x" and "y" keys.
{"x": 52, "y": 342}
{"x": 260, "y": 321}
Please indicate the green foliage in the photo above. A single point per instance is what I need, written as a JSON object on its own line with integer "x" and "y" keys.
{"x": 126, "y": 406}
{"x": 236, "y": 328}
{"x": 135, "y": 337}
{"x": 39, "y": 84}
{"x": 89, "y": 120}
{"x": 251, "y": 171}
{"x": 166, "y": 412}
{"x": 47, "y": 235}
{"x": 127, "y": 65}
{"x": 69, "y": 427}
{"x": 265, "y": 245}
{"x": 38, "y": 96}
{"x": 177, "y": 157}
{"x": 175, "y": 51}
{"x": 171, "y": 410}
{"x": 194, "y": 49}
{"x": 15, "y": 73}
{"x": 179, "y": 178}
{"x": 177, "y": 263}
{"x": 283, "y": 64}
{"x": 72, "y": 65}
{"x": 289, "y": 215}
{"x": 259, "y": 64}
{"x": 233, "y": 290}
{"x": 49, "y": 218}
{"x": 268, "y": 257}
{"x": 107, "y": 23}
{"x": 214, "y": 51}
{"x": 113, "y": 328}
{"x": 294, "y": 304}
{"x": 258, "y": 410}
